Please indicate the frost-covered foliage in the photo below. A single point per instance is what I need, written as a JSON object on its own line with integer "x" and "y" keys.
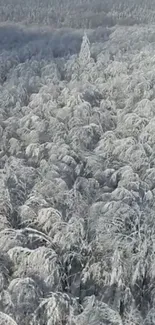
{"x": 78, "y": 14}
{"x": 77, "y": 172}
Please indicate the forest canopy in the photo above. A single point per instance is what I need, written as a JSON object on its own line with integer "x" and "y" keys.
{"x": 77, "y": 162}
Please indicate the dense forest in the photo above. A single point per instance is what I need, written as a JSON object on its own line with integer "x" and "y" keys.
{"x": 77, "y": 162}
{"x": 78, "y": 14}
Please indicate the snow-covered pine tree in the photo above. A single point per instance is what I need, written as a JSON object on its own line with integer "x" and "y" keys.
{"x": 84, "y": 55}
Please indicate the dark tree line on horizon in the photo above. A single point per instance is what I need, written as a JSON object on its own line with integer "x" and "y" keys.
{"x": 78, "y": 14}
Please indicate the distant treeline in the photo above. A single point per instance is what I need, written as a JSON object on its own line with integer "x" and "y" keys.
{"x": 78, "y": 14}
